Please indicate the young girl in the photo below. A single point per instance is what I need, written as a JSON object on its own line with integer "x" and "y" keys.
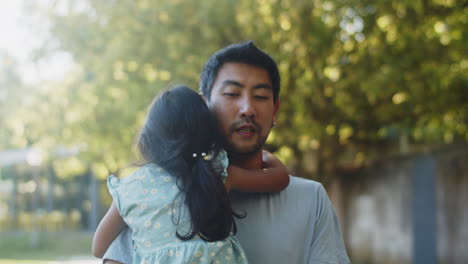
{"x": 177, "y": 204}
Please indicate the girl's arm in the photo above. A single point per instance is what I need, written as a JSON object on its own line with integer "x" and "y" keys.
{"x": 108, "y": 229}
{"x": 274, "y": 177}
{"x": 111, "y": 261}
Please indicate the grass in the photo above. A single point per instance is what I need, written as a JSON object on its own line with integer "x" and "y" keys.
{"x": 15, "y": 247}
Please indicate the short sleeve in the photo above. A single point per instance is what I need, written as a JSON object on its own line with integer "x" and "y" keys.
{"x": 221, "y": 163}
{"x": 113, "y": 184}
{"x": 327, "y": 242}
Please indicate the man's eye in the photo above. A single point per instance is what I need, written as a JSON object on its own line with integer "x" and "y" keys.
{"x": 230, "y": 94}
{"x": 261, "y": 97}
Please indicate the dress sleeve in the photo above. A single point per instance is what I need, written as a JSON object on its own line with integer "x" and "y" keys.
{"x": 327, "y": 241}
{"x": 221, "y": 163}
{"x": 113, "y": 184}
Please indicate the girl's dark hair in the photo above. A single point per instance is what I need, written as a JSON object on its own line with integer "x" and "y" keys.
{"x": 177, "y": 125}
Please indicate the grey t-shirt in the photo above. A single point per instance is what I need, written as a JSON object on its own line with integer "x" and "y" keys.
{"x": 297, "y": 225}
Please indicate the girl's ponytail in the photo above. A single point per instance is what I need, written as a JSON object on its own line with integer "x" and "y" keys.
{"x": 208, "y": 204}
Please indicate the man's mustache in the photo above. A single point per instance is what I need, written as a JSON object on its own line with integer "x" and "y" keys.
{"x": 245, "y": 121}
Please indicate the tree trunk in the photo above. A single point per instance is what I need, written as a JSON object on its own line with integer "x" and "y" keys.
{"x": 94, "y": 199}
{"x": 50, "y": 189}
{"x": 11, "y": 172}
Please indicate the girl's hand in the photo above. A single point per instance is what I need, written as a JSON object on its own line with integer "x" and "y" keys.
{"x": 271, "y": 161}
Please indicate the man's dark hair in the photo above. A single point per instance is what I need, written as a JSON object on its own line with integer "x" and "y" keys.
{"x": 178, "y": 125}
{"x": 245, "y": 52}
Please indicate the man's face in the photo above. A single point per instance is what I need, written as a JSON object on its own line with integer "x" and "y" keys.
{"x": 242, "y": 101}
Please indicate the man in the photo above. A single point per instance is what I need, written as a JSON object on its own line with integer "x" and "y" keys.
{"x": 240, "y": 84}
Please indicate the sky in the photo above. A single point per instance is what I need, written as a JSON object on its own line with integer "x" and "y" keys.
{"x": 22, "y": 32}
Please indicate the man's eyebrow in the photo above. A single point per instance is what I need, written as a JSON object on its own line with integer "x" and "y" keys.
{"x": 262, "y": 86}
{"x": 238, "y": 84}
{"x": 231, "y": 82}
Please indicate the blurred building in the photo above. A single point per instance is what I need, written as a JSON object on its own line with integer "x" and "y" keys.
{"x": 409, "y": 209}
{"x": 33, "y": 197}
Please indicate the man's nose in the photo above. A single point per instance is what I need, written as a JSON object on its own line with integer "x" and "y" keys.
{"x": 247, "y": 108}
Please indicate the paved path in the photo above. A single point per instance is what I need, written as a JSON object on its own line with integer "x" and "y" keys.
{"x": 72, "y": 260}
{"x": 77, "y": 260}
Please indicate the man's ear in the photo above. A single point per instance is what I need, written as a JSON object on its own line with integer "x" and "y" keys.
{"x": 275, "y": 109}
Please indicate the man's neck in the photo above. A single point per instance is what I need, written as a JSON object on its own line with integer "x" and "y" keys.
{"x": 252, "y": 161}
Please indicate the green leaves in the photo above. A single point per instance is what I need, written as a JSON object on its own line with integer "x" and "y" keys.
{"x": 356, "y": 75}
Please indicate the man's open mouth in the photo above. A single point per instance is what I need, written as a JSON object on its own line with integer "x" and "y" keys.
{"x": 246, "y": 129}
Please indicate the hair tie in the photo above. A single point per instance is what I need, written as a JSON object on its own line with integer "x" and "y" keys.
{"x": 195, "y": 155}
{"x": 203, "y": 155}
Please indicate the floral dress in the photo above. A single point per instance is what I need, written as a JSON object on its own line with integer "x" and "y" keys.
{"x": 149, "y": 203}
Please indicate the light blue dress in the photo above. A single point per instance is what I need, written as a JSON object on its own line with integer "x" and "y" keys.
{"x": 145, "y": 202}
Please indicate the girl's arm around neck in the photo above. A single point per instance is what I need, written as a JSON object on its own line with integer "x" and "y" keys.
{"x": 108, "y": 229}
{"x": 274, "y": 177}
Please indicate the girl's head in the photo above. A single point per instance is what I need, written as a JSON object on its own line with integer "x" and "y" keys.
{"x": 178, "y": 125}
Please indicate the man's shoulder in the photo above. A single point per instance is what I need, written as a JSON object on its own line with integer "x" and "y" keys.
{"x": 284, "y": 221}
{"x": 294, "y": 180}
{"x": 304, "y": 186}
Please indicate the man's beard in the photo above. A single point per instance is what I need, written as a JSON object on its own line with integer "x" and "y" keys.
{"x": 233, "y": 149}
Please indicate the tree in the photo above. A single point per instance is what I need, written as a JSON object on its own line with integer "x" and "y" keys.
{"x": 12, "y": 95}
{"x": 357, "y": 76}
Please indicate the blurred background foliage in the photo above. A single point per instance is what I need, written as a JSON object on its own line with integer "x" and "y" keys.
{"x": 361, "y": 80}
